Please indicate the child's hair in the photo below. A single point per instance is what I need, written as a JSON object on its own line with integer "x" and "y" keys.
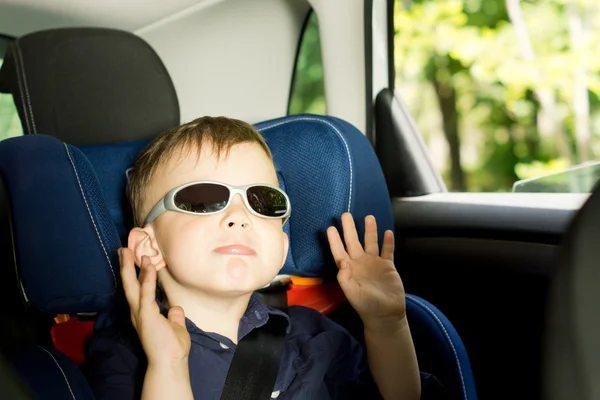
{"x": 220, "y": 132}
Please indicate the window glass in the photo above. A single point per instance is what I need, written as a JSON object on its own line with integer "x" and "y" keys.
{"x": 503, "y": 90}
{"x": 10, "y": 125}
{"x": 308, "y": 91}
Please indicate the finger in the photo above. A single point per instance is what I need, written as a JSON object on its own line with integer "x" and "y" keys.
{"x": 351, "y": 236}
{"x": 336, "y": 245}
{"x": 344, "y": 277}
{"x": 177, "y": 315}
{"x": 131, "y": 286}
{"x": 371, "y": 244}
{"x": 148, "y": 284}
{"x": 387, "y": 250}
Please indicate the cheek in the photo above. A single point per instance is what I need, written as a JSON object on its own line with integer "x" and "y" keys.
{"x": 182, "y": 243}
{"x": 275, "y": 248}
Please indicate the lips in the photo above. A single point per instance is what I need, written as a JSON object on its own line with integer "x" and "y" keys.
{"x": 235, "y": 249}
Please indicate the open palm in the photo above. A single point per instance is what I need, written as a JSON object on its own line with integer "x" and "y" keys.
{"x": 369, "y": 280}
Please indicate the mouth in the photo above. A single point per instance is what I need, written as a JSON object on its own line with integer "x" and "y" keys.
{"x": 235, "y": 249}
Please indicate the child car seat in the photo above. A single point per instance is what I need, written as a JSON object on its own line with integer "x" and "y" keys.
{"x": 63, "y": 212}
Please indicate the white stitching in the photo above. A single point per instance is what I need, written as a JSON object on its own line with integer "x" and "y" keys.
{"x": 90, "y": 214}
{"x": 312, "y": 119}
{"x": 462, "y": 381}
{"x": 26, "y": 89}
{"x": 61, "y": 371}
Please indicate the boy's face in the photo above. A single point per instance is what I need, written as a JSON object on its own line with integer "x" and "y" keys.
{"x": 192, "y": 245}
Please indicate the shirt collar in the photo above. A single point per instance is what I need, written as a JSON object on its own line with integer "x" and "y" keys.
{"x": 256, "y": 315}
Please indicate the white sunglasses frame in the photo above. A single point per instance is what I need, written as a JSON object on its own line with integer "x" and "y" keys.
{"x": 167, "y": 203}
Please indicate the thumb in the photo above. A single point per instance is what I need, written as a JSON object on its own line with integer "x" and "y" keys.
{"x": 177, "y": 316}
{"x": 344, "y": 275}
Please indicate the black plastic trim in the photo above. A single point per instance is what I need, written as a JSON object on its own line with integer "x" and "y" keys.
{"x": 7, "y": 37}
{"x": 368, "y": 35}
{"x": 391, "y": 34}
{"x": 403, "y": 155}
{"x": 8, "y": 40}
{"x": 481, "y": 221}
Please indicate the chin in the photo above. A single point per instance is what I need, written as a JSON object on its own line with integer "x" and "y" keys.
{"x": 243, "y": 275}
{"x": 241, "y": 287}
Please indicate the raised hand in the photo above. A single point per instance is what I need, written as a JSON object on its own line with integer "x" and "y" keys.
{"x": 369, "y": 280}
{"x": 166, "y": 341}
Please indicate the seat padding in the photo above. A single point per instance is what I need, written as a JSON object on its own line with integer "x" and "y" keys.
{"x": 51, "y": 375}
{"x": 328, "y": 167}
{"x": 440, "y": 349}
{"x": 65, "y": 242}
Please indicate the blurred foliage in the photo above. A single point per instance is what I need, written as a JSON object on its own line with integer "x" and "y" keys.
{"x": 10, "y": 124}
{"x": 525, "y": 82}
{"x": 539, "y": 168}
{"x": 308, "y": 90}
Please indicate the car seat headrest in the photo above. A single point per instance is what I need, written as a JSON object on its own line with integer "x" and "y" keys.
{"x": 327, "y": 167}
{"x": 89, "y": 86}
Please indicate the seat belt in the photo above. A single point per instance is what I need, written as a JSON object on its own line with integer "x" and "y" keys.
{"x": 255, "y": 364}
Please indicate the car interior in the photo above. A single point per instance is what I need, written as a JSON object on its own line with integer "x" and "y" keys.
{"x": 500, "y": 286}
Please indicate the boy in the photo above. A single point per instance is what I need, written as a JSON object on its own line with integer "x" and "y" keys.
{"x": 209, "y": 218}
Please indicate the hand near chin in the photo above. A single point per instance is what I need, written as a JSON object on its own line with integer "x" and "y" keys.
{"x": 166, "y": 341}
{"x": 369, "y": 280}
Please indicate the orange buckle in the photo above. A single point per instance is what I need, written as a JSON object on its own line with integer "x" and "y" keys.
{"x": 303, "y": 281}
{"x": 62, "y": 318}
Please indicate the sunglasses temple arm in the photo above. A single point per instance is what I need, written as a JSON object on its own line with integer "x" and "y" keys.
{"x": 156, "y": 211}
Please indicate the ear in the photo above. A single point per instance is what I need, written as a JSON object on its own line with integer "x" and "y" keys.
{"x": 142, "y": 242}
{"x": 286, "y": 246}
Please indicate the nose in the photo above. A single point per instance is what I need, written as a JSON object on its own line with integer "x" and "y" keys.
{"x": 236, "y": 215}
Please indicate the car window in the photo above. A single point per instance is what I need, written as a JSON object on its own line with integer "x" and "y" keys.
{"x": 307, "y": 90}
{"x": 10, "y": 125}
{"x": 503, "y": 91}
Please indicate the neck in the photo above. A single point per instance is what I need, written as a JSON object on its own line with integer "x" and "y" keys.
{"x": 210, "y": 312}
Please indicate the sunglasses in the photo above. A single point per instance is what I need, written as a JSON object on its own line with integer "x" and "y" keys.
{"x": 207, "y": 197}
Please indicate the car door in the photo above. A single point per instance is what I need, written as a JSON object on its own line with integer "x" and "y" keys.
{"x": 470, "y": 241}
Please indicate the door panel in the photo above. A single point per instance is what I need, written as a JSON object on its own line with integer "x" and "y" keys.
{"x": 487, "y": 267}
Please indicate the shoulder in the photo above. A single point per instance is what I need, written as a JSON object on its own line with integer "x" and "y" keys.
{"x": 305, "y": 320}
{"x": 314, "y": 333}
{"x": 121, "y": 338}
{"x": 115, "y": 362}
{"x": 326, "y": 357}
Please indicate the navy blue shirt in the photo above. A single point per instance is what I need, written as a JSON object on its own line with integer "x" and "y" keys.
{"x": 321, "y": 360}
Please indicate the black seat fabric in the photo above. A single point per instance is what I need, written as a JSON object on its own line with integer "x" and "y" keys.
{"x": 89, "y": 86}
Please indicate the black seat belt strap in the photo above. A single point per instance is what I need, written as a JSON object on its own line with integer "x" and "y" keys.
{"x": 255, "y": 365}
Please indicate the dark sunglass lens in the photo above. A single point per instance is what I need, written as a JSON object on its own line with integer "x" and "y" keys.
{"x": 202, "y": 198}
{"x": 267, "y": 201}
